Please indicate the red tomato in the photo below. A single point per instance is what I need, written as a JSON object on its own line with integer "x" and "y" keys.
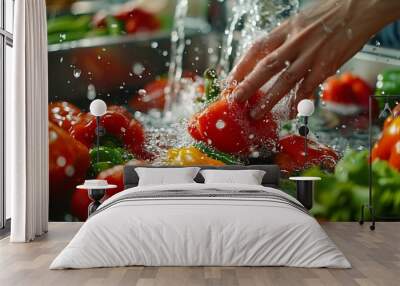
{"x": 114, "y": 176}
{"x": 390, "y": 135}
{"x": 68, "y": 164}
{"x": 291, "y": 155}
{"x": 138, "y": 20}
{"x": 394, "y": 159}
{"x": 349, "y": 89}
{"x": 115, "y": 123}
{"x": 337, "y": 91}
{"x": 228, "y": 127}
{"x": 64, "y": 114}
{"x": 85, "y": 131}
{"x": 395, "y": 113}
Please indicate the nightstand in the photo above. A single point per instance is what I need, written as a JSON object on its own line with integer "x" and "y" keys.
{"x": 96, "y": 191}
{"x": 305, "y": 190}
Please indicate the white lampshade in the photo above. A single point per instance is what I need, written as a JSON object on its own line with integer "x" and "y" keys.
{"x": 305, "y": 107}
{"x": 98, "y": 107}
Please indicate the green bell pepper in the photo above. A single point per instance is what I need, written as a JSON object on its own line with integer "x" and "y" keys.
{"x": 100, "y": 167}
{"x": 65, "y": 37}
{"x": 108, "y": 154}
{"x": 108, "y": 157}
{"x": 69, "y": 23}
{"x": 217, "y": 155}
{"x": 388, "y": 83}
{"x": 114, "y": 26}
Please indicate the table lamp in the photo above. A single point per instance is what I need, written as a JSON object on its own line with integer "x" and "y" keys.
{"x": 98, "y": 108}
{"x": 305, "y": 109}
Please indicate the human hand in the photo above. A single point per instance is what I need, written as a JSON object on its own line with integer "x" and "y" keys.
{"x": 308, "y": 48}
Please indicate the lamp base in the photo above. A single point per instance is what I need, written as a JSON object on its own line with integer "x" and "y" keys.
{"x": 96, "y": 195}
{"x": 372, "y": 213}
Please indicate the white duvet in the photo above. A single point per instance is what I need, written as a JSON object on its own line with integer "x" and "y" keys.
{"x": 200, "y": 231}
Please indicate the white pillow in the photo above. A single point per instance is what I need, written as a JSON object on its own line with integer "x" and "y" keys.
{"x": 248, "y": 177}
{"x": 166, "y": 176}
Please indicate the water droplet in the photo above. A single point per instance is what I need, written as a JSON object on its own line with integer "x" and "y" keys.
{"x": 52, "y": 136}
{"x": 251, "y": 136}
{"x": 99, "y": 57}
{"x": 77, "y": 73}
{"x": 61, "y": 59}
{"x": 142, "y": 92}
{"x": 61, "y": 161}
{"x": 287, "y": 64}
{"x": 154, "y": 45}
{"x": 174, "y": 36}
{"x": 69, "y": 171}
{"x": 91, "y": 92}
{"x": 165, "y": 53}
{"x": 220, "y": 124}
{"x": 138, "y": 68}
{"x": 255, "y": 154}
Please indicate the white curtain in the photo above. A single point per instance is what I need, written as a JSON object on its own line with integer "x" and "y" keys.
{"x": 26, "y": 124}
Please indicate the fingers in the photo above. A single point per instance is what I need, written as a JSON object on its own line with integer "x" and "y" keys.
{"x": 264, "y": 71}
{"x": 285, "y": 83}
{"x": 257, "y": 51}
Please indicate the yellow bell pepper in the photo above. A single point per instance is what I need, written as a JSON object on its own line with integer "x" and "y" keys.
{"x": 190, "y": 156}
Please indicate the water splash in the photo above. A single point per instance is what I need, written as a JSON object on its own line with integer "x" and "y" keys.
{"x": 249, "y": 20}
{"x": 177, "y": 50}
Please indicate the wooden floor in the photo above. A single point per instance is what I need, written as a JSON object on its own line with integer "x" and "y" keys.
{"x": 375, "y": 257}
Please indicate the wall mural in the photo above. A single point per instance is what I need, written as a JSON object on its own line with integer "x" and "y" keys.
{"x": 161, "y": 71}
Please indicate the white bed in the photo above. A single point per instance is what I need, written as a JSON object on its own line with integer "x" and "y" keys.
{"x": 266, "y": 229}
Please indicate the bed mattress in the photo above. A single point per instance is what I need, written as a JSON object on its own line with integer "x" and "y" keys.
{"x": 201, "y": 225}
